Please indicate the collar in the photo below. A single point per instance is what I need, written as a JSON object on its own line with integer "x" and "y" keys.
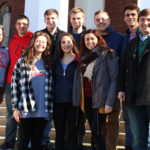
{"x": 55, "y": 34}
{"x": 143, "y": 38}
{"x": 137, "y": 32}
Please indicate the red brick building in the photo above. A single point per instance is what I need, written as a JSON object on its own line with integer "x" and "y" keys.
{"x": 113, "y": 7}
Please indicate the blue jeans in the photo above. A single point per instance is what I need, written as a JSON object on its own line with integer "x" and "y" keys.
{"x": 11, "y": 125}
{"x": 139, "y": 117}
{"x": 45, "y": 137}
{"x": 128, "y": 136}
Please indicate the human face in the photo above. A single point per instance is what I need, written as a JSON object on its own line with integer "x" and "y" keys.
{"x": 76, "y": 20}
{"x": 22, "y": 26}
{"x": 66, "y": 44}
{"x": 131, "y": 18}
{"x": 144, "y": 24}
{"x": 102, "y": 21}
{"x": 1, "y": 36}
{"x": 51, "y": 21}
{"x": 90, "y": 41}
{"x": 40, "y": 45}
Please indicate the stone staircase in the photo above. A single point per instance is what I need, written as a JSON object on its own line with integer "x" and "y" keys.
{"x": 121, "y": 137}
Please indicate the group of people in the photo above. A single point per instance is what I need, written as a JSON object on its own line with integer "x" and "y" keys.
{"x": 68, "y": 77}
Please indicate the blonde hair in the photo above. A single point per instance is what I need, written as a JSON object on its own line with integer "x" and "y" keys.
{"x": 101, "y": 12}
{"x": 76, "y": 10}
{"x": 50, "y": 12}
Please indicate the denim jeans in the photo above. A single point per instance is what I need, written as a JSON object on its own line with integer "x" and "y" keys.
{"x": 139, "y": 117}
{"x": 128, "y": 136}
{"x": 45, "y": 137}
{"x": 11, "y": 125}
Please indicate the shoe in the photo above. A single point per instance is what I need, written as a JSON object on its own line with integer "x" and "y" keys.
{"x": 6, "y": 145}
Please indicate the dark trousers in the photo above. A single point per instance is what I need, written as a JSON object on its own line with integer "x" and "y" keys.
{"x": 81, "y": 119}
{"x": 96, "y": 121}
{"x": 31, "y": 129}
{"x": 65, "y": 117}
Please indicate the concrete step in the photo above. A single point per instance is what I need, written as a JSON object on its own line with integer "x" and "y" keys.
{"x": 87, "y": 138}
{"x": 2, "y": 120}
{"x": 3, "y": 111}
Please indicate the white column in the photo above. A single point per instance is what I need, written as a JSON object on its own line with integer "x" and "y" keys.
{"x": 90, "y": 7}
{"x": 35, "y": 9}
{"x": 143, "y": 4}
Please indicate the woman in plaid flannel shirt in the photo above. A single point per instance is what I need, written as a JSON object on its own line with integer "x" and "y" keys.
{"x": 32, "y": 91}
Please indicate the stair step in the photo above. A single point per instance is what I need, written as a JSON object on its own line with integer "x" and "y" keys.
{"x": 87, "y": 138}
{"x": 3, "y": 111}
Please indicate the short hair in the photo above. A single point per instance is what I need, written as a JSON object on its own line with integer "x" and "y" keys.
{"x": 76, "y": 10}
{"x": 50, "y": 11}
{"x": 1, "y": 27}
{"x": 132, "y": 6}
{"x": 22, "y": 17}
{"x": 144, "y": 12}
{"x": 100, "y": 12}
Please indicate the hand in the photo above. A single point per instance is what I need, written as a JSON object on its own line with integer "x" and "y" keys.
{"x": 121, "y": 96}
{"x": 17, "y": 115}
{"x": 108, "y": 109}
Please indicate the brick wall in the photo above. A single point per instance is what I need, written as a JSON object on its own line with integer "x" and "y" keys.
{"x": 17, "y": 8}
{"x": 115, "y": 10}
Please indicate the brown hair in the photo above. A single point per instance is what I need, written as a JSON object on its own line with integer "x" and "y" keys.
{"x": 59, "y": 50}
{"x": 76, "y": 10}
{"x": 100, "y": 12}
{"x": 45, "y": 55}
{"x": 22, "y": 17}
{"x": 144, "y": 12}
{"x": 84, "y": 50}
{"x": 132, "y": 6}
{"x": 50, "y": 12}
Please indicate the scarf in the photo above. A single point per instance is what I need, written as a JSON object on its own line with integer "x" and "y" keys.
{"x": 88, "y": 61}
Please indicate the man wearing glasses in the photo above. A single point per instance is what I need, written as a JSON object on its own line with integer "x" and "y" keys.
{"x": 17, "y": 46}
{"x": 114, "y": 40}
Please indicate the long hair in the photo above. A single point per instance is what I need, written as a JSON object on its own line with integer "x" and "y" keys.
{"x": 84, "y": 51}
{"x": 30, "y": 52}
{"x": 74, "y": 49}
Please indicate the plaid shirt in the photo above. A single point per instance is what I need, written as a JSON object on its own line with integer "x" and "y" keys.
{"x": 22, "y": 92}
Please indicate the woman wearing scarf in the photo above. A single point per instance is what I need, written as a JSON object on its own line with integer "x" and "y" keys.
{"x": 95, "y": 83}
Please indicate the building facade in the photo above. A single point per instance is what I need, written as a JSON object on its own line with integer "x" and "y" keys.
{"x": 34, "y": 9}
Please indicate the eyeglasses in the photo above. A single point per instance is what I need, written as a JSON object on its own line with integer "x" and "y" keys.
{"x": 19, "y": 24}
{"x": 132, "y": 14}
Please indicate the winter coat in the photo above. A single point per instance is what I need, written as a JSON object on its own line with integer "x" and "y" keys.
{"x": 114, "y": 40}
{"x": 104, "y": 81}
{"x": 136, "y": 87}
{"x": 126, "y": 40}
